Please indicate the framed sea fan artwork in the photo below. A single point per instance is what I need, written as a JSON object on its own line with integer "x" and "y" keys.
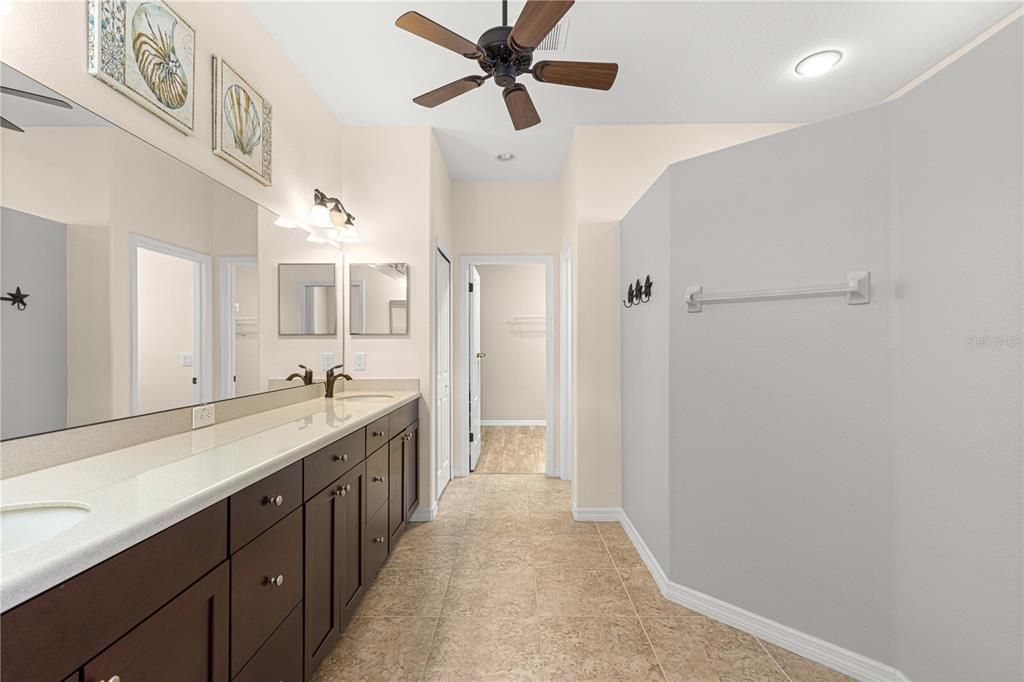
{"x": 147, "y": 52}
{"x": 242, "y": 123}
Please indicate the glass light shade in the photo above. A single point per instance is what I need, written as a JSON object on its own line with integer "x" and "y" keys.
{"x": 319, "y": 215}
{"x": 287, "y": 223}
{"x": 348, "y": 236}
{"x": 337, "y": 216}
{"x": 315, "y": 238}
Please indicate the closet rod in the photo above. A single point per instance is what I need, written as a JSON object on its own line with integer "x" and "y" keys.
{"x": 857, "y": 291}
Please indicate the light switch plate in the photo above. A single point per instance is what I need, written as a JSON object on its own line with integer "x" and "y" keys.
{"x": 328, "y": 361}
{"x": 186, "y": 360}
{"x": 360, "y": 361}
{"x": 203, "y": 415}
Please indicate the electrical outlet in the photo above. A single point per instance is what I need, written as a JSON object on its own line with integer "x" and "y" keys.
{"x": 204, "y": 415}
{"x": 360, "y": 361}
{"x": 328, "y": 361}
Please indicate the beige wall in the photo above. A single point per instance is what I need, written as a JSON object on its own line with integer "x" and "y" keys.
{"x": 500, "y": 219}
{"x": 307, "y": 150}
{"x": 513, "y": 373}
{"x": 166, "y": 314}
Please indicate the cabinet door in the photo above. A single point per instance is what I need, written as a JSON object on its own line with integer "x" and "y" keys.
{"x": 351, "y": 526}
{"x": 396, "y": 510}
{"x": 412, "y": 469}
{"x": 335, "y": 528}
{"x": 185, "y": 640}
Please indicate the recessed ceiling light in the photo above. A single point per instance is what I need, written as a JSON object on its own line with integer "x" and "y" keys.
{"x": 506, "y": 156}
{"x": 818, "y": 63}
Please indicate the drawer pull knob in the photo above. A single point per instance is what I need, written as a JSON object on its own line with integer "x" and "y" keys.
{"x": 379, "y": 540}
{"x": 407, "y": 436}
{"x": 377, "y": 434}
{"x": 341, "y": 458}
{"x": 341, "y": 491}
{"x": 276, "y": 500}
{"x": 275, "y": 581}
{"x": 348, "y": 487}
{"x": 378, "y": 479}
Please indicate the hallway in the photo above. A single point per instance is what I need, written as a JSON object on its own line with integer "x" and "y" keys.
{"x": 511, "y": 450}
{"x": 506, "y": 585}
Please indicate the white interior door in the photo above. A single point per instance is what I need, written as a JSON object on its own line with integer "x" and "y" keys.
{"x": 444, "y": 372}
{"x": 475, "y": 357}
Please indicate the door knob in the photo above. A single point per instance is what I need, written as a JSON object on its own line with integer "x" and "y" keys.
{"x": 481, "y": 355}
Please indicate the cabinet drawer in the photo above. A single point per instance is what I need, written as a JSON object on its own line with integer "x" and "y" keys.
{"x": 330, "y": 463}
{"x": 281, "y": 657}
{"x": 185, "y": 640}
{"x": 402, "y": 417}
{"x": 376, "y": 481}
{"x": 377, "y": 434}
{"x": 376, "y": 550}
{"x": 263, "y": 504}
{"x": 49, "y": 636}
{"x": 266, "y": 584}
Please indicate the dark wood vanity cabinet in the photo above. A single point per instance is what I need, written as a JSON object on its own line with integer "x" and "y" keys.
{"x": 185, "y": 640}
{"x": 334, "y": 537}
{"x": 255, "y": 588}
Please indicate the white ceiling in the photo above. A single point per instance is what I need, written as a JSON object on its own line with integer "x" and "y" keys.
{"x": 679, "y": 62}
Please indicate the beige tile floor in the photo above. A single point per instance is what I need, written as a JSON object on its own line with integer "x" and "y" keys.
{"x": 511, "y": 450}
{"x": 505, "y": 585}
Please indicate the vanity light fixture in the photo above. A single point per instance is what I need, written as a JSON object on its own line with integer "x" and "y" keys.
{"x": 506, "y": 156}
{"x": 818, "y": 63}
{"x": 287, "y": 223}
{"x": 329, "y": 211}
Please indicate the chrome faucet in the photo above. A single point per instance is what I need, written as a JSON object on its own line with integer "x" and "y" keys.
{"x": 332, "y": 378}
{"x": 307, "y": 376}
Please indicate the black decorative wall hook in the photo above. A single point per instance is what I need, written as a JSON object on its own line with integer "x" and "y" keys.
{"x": 17, "y": 298}
{"x": 638, "y": 293}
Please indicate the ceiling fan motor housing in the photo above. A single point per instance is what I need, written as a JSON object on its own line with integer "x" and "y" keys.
{"x": 499, "y": 59}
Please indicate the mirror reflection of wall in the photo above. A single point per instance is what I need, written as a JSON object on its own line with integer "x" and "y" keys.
{"x": 122, "y": 250}
{"x": 378, "y": 299}
{"x": 307, "y": 299}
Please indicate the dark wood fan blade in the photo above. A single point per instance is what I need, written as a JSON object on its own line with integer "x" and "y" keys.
{"x": 25, "y": 94}
{"x": 535, "y": 23}
{"x": 595, "y": 75}
{"x": 428, "y": 29}
{"x": 446, "y": 92}
{"x": 4, "y": 123}
{"x": 520, "y": 107}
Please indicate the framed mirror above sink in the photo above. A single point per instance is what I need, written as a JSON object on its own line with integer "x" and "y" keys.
{"x": 378, "y": 299}
{"x": 307, "y": 299}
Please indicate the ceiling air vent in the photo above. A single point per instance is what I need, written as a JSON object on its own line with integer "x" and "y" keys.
{"x": 555, "y": 41}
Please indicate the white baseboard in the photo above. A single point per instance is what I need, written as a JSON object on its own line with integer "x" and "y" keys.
{"x": 835, "y": 657}
{"x": 423, "y": 514}
{"x": 513, "y": 422}
{"x": 600, "y": 514}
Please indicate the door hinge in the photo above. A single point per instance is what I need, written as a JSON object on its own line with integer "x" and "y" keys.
{"x": 470, "y": 287}
{"x": 195, "y": 381}
{"x": 471, "y": 437}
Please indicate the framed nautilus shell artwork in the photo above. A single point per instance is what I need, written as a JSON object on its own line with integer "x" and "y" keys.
{"x": 242, "y": 123}
{"x": 147, "y": 52}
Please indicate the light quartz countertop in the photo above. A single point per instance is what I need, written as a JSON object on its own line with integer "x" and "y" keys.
{"x": 136, "y": 492}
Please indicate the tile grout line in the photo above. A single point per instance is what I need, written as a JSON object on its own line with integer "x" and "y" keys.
{"x": 618, "y": 573}
{"x": 437, "y": 621}
{"x": 777, "y": 664}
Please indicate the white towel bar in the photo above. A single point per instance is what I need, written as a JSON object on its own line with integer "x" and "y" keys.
{"x": 857, "y": 291}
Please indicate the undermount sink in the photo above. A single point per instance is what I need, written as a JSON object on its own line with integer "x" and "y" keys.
{"x": 366, "y": 396}
{"x": 22, "y": 525}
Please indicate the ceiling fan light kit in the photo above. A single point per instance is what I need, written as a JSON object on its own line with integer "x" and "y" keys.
{"x": 505, "y": 53}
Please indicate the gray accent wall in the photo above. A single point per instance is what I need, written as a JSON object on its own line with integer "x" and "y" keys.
{"x": 957, "y": 338}
{"x": 34, "y": 341}
{"x": 854, "y": 472}
{"x": 644, "y": 247}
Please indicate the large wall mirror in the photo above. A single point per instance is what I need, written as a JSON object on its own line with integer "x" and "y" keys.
{"x": 378, "y": 299}
{"x": 140, "y": 272}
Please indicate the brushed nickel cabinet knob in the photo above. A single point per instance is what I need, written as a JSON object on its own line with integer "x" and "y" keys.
{"x": 377, "y": 434}
{"x": 276, "y": 500}
{"x": 378, "y": 479}
{"x": 341, "y": 458}
{"x": 275, "y": 581}
{"x": 379, "y": 540}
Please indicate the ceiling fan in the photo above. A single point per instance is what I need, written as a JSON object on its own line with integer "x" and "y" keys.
{"x": 505, "y": 53}
{"x": 4, "y": 123}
